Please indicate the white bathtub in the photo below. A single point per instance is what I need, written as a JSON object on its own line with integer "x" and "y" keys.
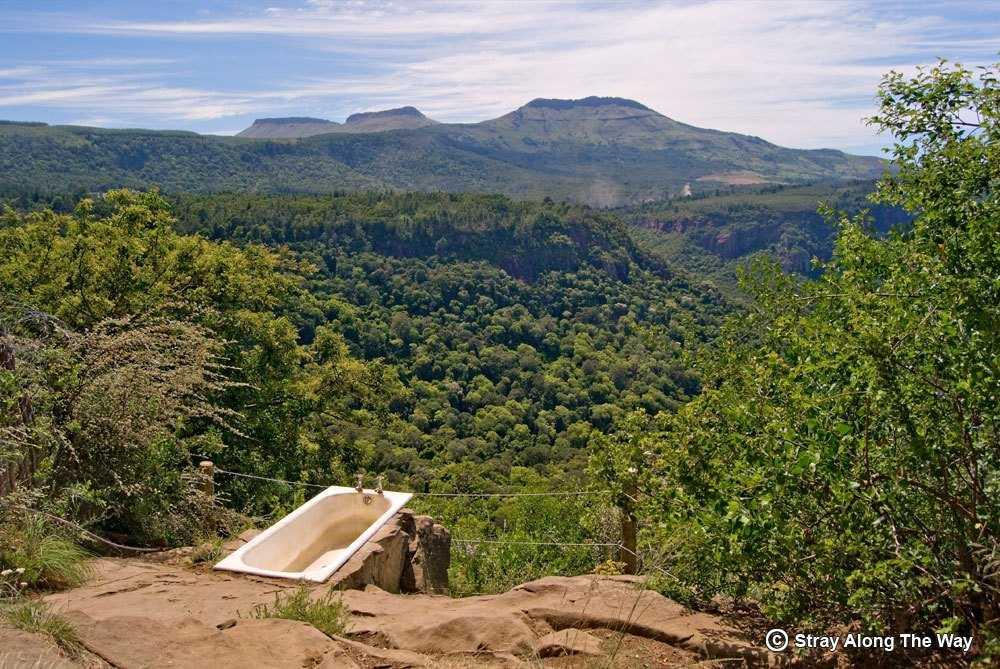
{"x": 317, "y": 538}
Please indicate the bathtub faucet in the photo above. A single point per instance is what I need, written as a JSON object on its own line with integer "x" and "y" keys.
{"x": 359, "y": 482}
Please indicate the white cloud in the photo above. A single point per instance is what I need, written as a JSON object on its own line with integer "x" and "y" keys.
{"x": 798, "y": 72}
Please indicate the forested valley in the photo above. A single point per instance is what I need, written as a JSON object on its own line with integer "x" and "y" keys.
{"x": 819, "y": 444}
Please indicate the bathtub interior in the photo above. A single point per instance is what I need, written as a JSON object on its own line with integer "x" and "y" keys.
{"x": 318, "y": 537}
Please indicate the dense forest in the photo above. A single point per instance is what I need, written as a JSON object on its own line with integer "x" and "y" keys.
{"x": 824, "y": 453}
{"x": 451, "y": 342}
{"x": 713, "y": 234}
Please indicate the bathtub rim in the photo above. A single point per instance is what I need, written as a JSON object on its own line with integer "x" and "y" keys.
{"x": 234, "y": 561}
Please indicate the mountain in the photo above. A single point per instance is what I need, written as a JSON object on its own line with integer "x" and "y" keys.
{"x": 600, "y": 151}
{"x": 284, "y": 128}
{"x": 593, "y": 120}
{"x": 390, "y": 119}
{"x": 303, "y": 126}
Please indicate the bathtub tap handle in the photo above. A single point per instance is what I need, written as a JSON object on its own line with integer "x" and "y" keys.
{"x": 378, "y": 485}
{"x": 359, "y": 482}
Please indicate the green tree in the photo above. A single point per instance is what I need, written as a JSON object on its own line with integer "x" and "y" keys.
{"x": 843, "y": 461}
{"x": 229, "y": 344}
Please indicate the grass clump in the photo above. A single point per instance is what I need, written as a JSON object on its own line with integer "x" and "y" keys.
{"x": 34, "y": 615}
{"x": 210, "y": 552}
{"x": 48, "y": 557}
{"x": 328, "y": 613}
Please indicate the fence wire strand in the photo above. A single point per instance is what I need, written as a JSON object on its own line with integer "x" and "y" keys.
{"x": 554, "y": 493}
{"x": 219, "y": 470}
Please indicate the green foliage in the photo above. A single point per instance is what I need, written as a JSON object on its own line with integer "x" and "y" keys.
{"x": 497, "y": 371}
{"x": 327, "y": 612}
{"x": 842, "y": 461}
{"x": 501, "y": 542}
{"x": 138, "y": 344}
{"x": 35, "y": 616}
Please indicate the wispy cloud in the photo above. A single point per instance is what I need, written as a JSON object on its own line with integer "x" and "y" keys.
{"x": 799, "y": 73}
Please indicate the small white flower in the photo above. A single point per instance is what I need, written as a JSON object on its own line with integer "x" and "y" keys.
{"x": 24, "y": 584}
{"x": 20, "y": 570}
{"x": 6, "y": 572}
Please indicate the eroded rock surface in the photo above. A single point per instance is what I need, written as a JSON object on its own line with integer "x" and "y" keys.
{"x": 568, "y": 642}
{"x": 429, "y": 555}
{"x": 137, "y": 613}
{"x": 21, "y": 649}
{"x": 160, "y": 611}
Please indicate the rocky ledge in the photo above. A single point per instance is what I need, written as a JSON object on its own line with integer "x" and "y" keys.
{"x": 164, "y": 612}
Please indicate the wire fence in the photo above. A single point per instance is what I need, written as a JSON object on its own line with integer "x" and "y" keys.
{"x": 552, "y": 493}
{"x": 620, "y": 546}
{"x": 587, "y": 544}
{"x": 87, "y": 533}
{"x": 459, "y": 541}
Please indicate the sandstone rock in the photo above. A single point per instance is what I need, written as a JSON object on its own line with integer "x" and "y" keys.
{"x": 392, "y": 657}
{"x": 408, "y": 554}
{"x": 338, "y": 659}
{"x": 436, "y": 625}
{"x": 136, "y": 641}
{"x": 567, "y": 642}
{"x": 22, "y": 649}
{"x": 136, "y": 611}
{"x": 379, "y": 562}
{"x": 429, "y": 558}
{"x": 236, "y": 542}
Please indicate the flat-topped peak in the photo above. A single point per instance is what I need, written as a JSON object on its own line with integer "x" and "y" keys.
{"x": 409, "y": 112}
{"x": 387, "y": 119}
{"x": 289, "y": 127}
{"x": 582, "y": 103}
{"x": 290, "y": 120}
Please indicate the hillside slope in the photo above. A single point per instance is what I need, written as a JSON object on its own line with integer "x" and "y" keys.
{"x": 712, "y": 235}
{"x": 602, "y": 151}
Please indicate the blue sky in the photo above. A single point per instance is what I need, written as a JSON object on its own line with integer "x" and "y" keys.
{"x": 799, "y": 73}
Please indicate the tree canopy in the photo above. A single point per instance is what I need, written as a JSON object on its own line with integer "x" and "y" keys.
{"x": 842, "y": 463}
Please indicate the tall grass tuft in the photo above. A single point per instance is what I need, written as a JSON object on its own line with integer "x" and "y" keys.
{"x": 48, "y": 557}
{"x": 34, "y": 615}
{"x": 328, "y": 613}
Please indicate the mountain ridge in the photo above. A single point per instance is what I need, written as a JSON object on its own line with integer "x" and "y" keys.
{"x": 599, "y": 151}
{"x": 297, "y": 127}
